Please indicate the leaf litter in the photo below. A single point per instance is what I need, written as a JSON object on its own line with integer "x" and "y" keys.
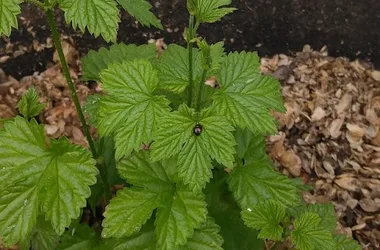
{"x": 329, "y": 136}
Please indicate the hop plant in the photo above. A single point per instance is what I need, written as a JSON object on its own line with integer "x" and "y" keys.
{"x": 190, "y": 156}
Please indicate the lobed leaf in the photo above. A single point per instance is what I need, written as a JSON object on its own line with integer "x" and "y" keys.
{"x": 9, "y": 9}
{"x": 308, "y": 235}
{"x": 95, "y": 61}
{"x": 100, "y": 17}
{"x": 209, "y": 11}
{"x": 35, "y": 178}
{"x": 140, "y": 9}
{"x": 195, "y": 153}
{"x": 246, "y": 96}
{"x": 325, "y": 211}
{"x": 130, "y": 109}
{"x": 266, "y": 216}
{"x": 179, "y": 210}
{"x": 257, "y": 181}
{"x": 176, "y": 221}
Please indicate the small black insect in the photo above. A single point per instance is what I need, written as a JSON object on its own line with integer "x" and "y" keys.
{"x": 198, "y": 129}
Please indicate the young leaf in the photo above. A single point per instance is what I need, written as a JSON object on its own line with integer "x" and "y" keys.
{"x": 308, "y": 235}
{"x": 28, "y": 105}
{"x": 176, "y": 221}
{"x": 140, "y": 9}
{"x": 266, "y": 216}
{"x": 100, "y": 17}
{"x": 9, "y": 9}
{"x": 206, "y": 237}
{"x": 209, "y": 11}
{"x": 95, "y": 61}
{"x": 325, "y": 211}
{"x": 175, "y": 134}
{"x": 257, "y": 181}
{"x": 34, "y": 178}
{"x": 43, "y": 236}
{"x": 217, "y": 56}
{"x": 130, "y": 109}
{"x": 344, "y": 243}
{"x": 174, "y": 68}
{"x": 246, "y": 96}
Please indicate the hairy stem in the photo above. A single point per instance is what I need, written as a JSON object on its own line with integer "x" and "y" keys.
{"x": 198, "y": 97}
{"x": 190, "y": 51}
{"x": 37, "y": 3}
{"x": 65, "y": 68}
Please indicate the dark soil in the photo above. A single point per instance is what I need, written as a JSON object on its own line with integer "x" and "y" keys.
{"x": 348, "y": 27}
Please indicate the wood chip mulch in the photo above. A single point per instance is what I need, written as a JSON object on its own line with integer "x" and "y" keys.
{"x": 329, "y": 137}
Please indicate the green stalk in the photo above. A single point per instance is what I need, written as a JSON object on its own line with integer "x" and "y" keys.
{"x": 65, "y": 68}
{"x": 198, "y": 97}
{"x": 190, "y": 51}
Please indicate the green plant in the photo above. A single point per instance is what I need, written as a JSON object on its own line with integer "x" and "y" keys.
{"x": 192, "y": 156}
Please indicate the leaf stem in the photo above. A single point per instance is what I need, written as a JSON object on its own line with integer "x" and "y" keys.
{"x": 190, "y": 36}
{"x": 37, "y": 3}
{"x": 66, "y": 72}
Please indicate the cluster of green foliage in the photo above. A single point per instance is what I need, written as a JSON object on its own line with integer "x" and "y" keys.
{"x": 191, "y": 157}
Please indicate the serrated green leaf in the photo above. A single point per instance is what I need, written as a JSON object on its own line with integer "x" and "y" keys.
{"x": 176, "y": 221}
{"x": 308, "y": 235}
{"x": 250, "y": 147}
{"x": 151, "y": 186}
{"x": 246, "y": 96}
{"x": 43, "y": 236}
{"x": 175, "y": 135}
{"x": 223, "y": 208}
{"x": 136, "y": 205}
{"x": 95, "y": 61}
{"x": 344, "y": 243}
{"x": 217, "y": 56}
{"x": 179, "y": 210}
{"x": 266, "y": 216}
{"x": 100, "y": 17}
{"x": 130, "y": 109}
{"x": 9, "y": 9}
{"x": 140, "y": 9}
{"x": 206, "y": 237}
{"x": 209, "y": 11}
{"x": 35, "y": 178}
{"x": 325, "y": 211}
{"x": 174, "y": 68}
{"x": 28, "y": 105}
{"x": 257, "y": 181}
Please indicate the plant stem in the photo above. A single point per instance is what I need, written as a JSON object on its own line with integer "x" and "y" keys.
{"x": 66, "y": 72}
{"x": 198, "y": 97}
{"x": 37, "y": 3}
{"x": 190, "y": 51}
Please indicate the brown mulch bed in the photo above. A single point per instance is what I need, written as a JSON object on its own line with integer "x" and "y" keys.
{"x": 329, "y": 137}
